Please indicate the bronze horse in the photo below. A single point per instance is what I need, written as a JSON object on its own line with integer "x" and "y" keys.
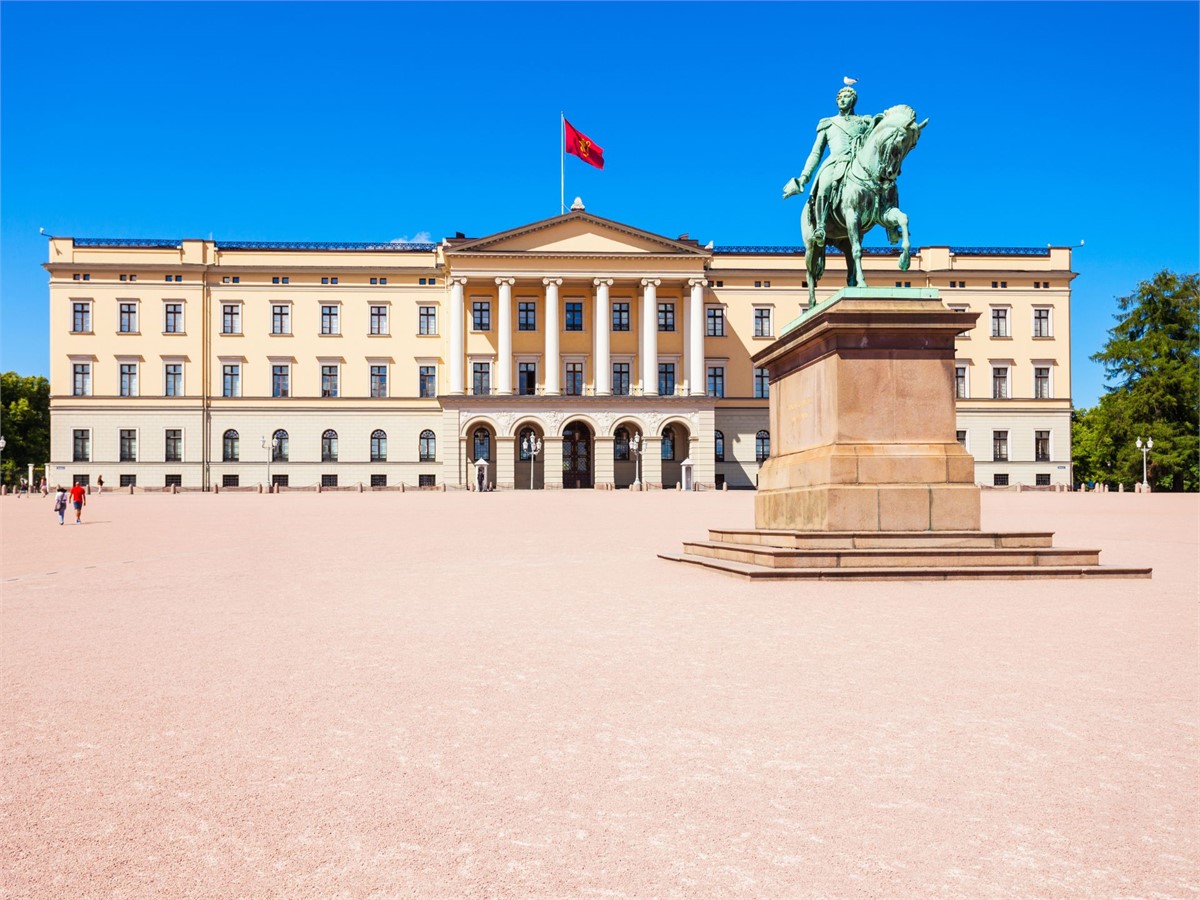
{"x": 866, "y": 197}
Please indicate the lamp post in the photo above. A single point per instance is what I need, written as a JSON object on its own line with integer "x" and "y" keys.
{"x": 1145, "y": 448}
{"x": 270, "y": 455}
{"x": 635, "y": 447}
{"x": 531, "y": 447}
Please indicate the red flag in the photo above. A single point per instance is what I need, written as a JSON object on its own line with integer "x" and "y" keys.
{"x": 579, "y": 144}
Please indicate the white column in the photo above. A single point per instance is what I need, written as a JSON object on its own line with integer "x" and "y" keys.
{"x": 697, "y": 383}
{"x": 505, "y": 363}
{"x": 552, "y": 364}
{"x": 458, "y": 339}
{"x": 649, "y": 363}
{"x": 602, "y": 378}
{"x": 682, "y": 318}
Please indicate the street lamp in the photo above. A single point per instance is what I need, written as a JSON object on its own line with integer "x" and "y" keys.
{"x": 1145, "y": 448}
{"x": 2, "y": 443}
{"x": 635, "y": 447}
{"x": 270, "y": 456}
{"x": 531, "y": 447}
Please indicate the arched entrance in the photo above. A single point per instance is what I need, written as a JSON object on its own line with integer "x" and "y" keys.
{"x": 625, "y": 459}
{"x": 676, "y": 441}
{"x": 528, "y": 470}
{"x": 577, "y": 456}
{"x": 481, "y": 444}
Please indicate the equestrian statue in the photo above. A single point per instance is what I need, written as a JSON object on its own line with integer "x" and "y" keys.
{"x": 855, "y": 189}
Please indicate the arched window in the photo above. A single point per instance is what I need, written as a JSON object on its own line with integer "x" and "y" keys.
{"x": 329, "y": 446}
{"x": 719, "y": 446}
{"x": 230, "y": 446}
{"x": 668, "y": 443}
{"x": 524, "y": 439}
{"x": 280, "y": 441}
{"x": 483, "y": 444}
{"x": 762, "y": 445}
{"x": 621, "y": 444}
{"x": 378, "y": 445}
{"x": 428, "y": 446}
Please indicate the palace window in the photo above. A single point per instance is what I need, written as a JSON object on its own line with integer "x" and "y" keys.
{"x": 573, "y": 380}
{"x": 1042, "y": 479}
{"x": 231, "y": 447}
{"x": 762, "y": 446}
{"x": 719, "y": 446}
{"x": 716, "y": 381}
{"x": 481, "y": 379}
{"x": 762, "y": 322}
{"x": 280, "y": 377}
{"x": 574, "y": 317}
{"x": 379, "y": 320}
{"x": 329, "y": 381}
{"x": 280, "y": 279}
{"x": 81, "y": 318}
{"x": 481, "y": 315}
{"x": 428, "y": 446}
{"x": 378, "y": 445}
{"x": 427, "y": 320}
{"x": 1000, "y": 479}
{"x": 666, "y": 379}
{"x": 173, "y": 318}
{"x": 620, "y": 317}
{"x": 1000, "y": 446}
{"x": 762, "y": 384}
{"x": 81, "y": 379}
{"x": 81, "y": 445}
{"x": 329, "y": 446}
{"x": 668, "y": 443}
{"x": 526, "y": 315}
{"x": 620, "y": 379}
{"x": 127, "y": 318}
{"x": 960, "y": 382}
{"x": 666, "y": 317}
{"x": 714, "y": 322}
{"x": 173, "y": 380}
{"x": 230, "y": 481}
{"x": 173, "y": 445}
{"x": 231, "y": 318}
{"x": 1000, "y": 322}
{"x": 281, "y": 319}
{"x": 1041, "y": 322}
{"x": 231, "y": 380}
{"x": 527, "y": 378}
{"x": 961, "y": 437}
{"x": 1000, "y": 382}
{"x": 279, "y": 452}
{"x": 129, "y": 380}
{"x": 127, "y": 445}
{"x": 427, "y": 381}
{"x": 379, "y": 381}
{"x": 1041, "y": 382}
{"x": 1041, "y": 446}
{"x": 329, "y": 320}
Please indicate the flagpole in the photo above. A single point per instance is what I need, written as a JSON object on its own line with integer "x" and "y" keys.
{"x": 562, "y": 162}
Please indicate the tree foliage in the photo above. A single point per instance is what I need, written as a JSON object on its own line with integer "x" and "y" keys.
{"x": 24, "y": 423}
{"x": 1151, "y": 363}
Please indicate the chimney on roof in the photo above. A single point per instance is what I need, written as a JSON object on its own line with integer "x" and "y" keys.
{"x": 459, "y": 235}
{"x": 683, "y": 237}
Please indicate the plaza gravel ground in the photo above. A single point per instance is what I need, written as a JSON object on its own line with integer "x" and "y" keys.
{"x": 508, "y": 695}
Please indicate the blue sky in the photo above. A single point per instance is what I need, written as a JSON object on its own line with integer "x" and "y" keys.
{"x": 1049, "y": 123}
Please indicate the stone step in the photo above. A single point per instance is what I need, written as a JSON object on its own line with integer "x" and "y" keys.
{"x": 869, "y": 540}
{"x": 912, "y": 573}
{"x": 891, "y": 557}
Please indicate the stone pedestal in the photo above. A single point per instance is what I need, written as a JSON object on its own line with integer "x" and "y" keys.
{"x": 863, "y": 419}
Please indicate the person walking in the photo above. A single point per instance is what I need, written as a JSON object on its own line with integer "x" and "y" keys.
{"x": 60, "y": 503}
{"x": 78, "y": 500}
{"x": 22, "y": 488}
{"x": 99, "y": 484}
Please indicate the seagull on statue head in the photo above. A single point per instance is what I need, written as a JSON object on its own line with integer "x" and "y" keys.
{"x": 847, "y": 80}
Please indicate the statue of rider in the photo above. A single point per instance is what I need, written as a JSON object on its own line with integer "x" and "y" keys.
{"x": 842, "y": 134}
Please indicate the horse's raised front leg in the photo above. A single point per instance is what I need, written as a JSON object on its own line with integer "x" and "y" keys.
{"x": 893, "y": 219}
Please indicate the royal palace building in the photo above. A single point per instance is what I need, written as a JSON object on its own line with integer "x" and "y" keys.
{"x": 627, "y": 354}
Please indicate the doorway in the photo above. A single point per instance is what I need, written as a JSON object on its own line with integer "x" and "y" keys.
{"x": 577, "y": 456}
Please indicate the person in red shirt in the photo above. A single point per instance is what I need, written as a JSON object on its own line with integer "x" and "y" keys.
{"x": 78, "y": 500}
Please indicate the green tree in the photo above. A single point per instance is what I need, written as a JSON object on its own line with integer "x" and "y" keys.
{"x": 24, "y": 423}
{"x": 1151, "y": 362}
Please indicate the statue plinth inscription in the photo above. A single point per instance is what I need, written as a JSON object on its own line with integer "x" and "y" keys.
{"x": 874, "y": 369}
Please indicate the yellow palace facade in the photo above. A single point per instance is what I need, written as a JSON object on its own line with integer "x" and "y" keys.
{"x": 574, "y": 352}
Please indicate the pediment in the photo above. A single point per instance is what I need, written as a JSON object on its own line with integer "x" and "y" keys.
{"x": 577, "y": 234}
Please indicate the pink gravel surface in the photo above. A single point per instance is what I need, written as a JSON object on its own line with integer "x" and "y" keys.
{"x": 462, "y": 695}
